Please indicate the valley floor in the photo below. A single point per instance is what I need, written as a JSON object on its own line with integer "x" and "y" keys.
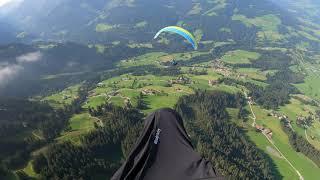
{"x": 164, "y": 91}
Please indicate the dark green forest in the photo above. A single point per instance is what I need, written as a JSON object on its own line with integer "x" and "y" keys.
{"x": 219, "y": 139}
{"x": 215, "y": 137}
{"x": 253, "y": 57}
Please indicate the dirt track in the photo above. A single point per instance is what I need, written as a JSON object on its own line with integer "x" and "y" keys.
{"x": 271, "y": 142}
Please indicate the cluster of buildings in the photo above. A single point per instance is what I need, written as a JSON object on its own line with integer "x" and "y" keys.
{"x": 266, "y": 131}
{"x": 150, "y": 92}
{"x": 213, "y": 82}
{"x": 219, "y": 67}
{"x": 180, "y": 80}
{"x": 278, "y": 115}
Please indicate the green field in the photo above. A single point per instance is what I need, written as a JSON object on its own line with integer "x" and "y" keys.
{"x": 305, "y": 166}
{"x": 140, "y": 45}
{"x": 268, "y": 24}
{"x": 141, "y": 24}
{"x": 296, "y": 108}
{"x": 104, "y": 27}
{"x": 95, "y": 101}
{"x": 127, "y": 87}
{"x": 239, "y": 57}
{"x": 29, "y": 170}
{"x": 258, "y": 46}
{"x": 146, "y": 59}
{"x": 64, "y": 97}
{"x": 79, "y": 124}
{"x": 253, "y": 73}
{"x": 263, "y": 144}
{"x": 314, "y": 131}
{"x": 311, "y": 86}
{"x": 155, "y": 58}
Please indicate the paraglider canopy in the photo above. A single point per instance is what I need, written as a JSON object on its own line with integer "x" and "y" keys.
{"x": 182, "y": 32}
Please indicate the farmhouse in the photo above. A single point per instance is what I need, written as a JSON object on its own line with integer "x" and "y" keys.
{"x": 101, "y": 85}
{"x": 180, "y": 80}
{"x": 125, "y": 79}
{"x": 265, "y": 131}
{"x": 113, "y": 93}
{"x": 260, "y": 128}
{"x": 150, "y": 92}
{"x": 268, "y": 132}
{"x": 92, "y": 93}
{"x": 213, "y": 82}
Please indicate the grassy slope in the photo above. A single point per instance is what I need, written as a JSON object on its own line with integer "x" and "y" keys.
{"x": 79, "y": 124}
{"x": 311, "y": 86}
{"x": 240, "y": 57}
{"x": 268, "y": 25}
{"x": 82, "y": 123}
{"x": 29, "y": 170}
{"x": 64, "y": 97}
{"x": 253, "y": 73}
{"x": 304, "y": 165}
{"x": 296, "y": 108}
{"x": 263, "y": 144}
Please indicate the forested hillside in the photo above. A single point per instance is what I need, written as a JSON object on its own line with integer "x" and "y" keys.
{"x": 77, "y": 79}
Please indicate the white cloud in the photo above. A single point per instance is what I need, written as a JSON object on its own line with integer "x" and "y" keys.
{"x": 7, "y": 6}
{"x": 30, "y": 57}
{"x": 3, "y": 2}
{"x": 7, "y": 73}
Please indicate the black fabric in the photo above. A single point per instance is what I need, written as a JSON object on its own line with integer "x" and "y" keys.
{"x": 164, "y": 152}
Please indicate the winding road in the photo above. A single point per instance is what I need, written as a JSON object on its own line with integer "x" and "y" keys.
{"x": 271, "y": 142}
{"x": 305, "y": 132}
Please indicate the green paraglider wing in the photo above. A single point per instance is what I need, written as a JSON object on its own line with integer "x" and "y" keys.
{"x": 182, "y": 32}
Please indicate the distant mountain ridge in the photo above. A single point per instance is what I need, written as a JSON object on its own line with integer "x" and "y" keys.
{"x": 302, "y": 8}
{"x": 113, "y": 30}
{"x": 98, "y": 21}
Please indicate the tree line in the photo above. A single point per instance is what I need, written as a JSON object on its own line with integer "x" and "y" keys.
{"x": 276, "y": 94}
{"x": 101, "y": 150}
{"x": 26, "y": 118}
{"x": 220, "y": 140}
{"x": 300, "y": 144}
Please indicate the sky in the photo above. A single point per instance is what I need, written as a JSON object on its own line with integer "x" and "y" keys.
{"x": 3, "y": 2}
